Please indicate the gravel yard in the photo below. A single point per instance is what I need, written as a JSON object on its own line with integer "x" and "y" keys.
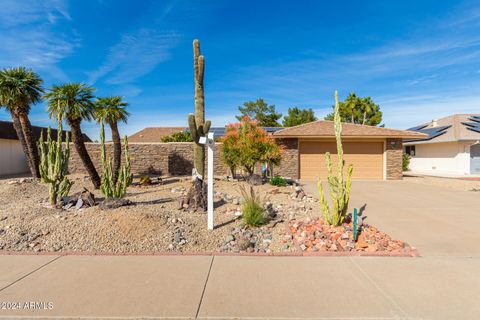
{"x": 153, "y": 223}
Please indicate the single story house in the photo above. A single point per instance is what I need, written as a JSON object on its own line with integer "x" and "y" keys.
{"x": 375, "y": 152}
{"x": 154, "y": 134}
{"x": 452, "y": 146}
{"x": 12, "y": 158}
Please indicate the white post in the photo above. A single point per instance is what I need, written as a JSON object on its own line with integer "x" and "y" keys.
{"x": 211, "y": 147}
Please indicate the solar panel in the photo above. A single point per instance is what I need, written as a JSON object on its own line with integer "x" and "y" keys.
{"x": 475, "y": 118}
{"x": 432, "y": 132}
{"x": 473, "y": 126}
{"x": 418, "y": 127}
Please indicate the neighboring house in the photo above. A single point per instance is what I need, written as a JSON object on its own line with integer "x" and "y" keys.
{"x": 221, "y": 131}
{"x": 375, "y": 152}
{"x": 451, "y": 148}
{"x": 154, "y": 134}
{"x": 12, "y": 158}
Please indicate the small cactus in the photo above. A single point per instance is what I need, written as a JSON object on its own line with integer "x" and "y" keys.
{"x": 196, "y": 122}
{"x": 109, "y": 188}
{"x": 339, "y": 187}
{"x": 53, "y": 165}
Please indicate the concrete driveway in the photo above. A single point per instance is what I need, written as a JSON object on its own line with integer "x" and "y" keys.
{"x": 438, "y": 221}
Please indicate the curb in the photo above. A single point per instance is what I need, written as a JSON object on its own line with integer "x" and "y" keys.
{"x": 411, "y": 254}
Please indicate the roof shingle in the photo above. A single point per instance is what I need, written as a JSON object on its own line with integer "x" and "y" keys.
{"x": 7, "y": 131}
{"x": 324, "y": 128}
{"x": 154, "y": 134}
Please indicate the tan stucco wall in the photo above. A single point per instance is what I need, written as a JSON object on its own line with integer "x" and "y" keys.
{"x": 12, "y": 158}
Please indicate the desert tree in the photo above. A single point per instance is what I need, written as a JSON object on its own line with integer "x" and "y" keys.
{"x": 112, "y": 110}
{"x": 74, "y": 102}
{"x": 20, "y": 88}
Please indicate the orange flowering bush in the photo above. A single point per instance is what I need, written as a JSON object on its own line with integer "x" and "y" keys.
{"x": 246, "y": 144}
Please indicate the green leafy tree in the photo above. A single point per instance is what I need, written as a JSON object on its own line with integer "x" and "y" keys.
{"x": 358, "y": 110}
{"x": 181, "y": 136}
{"x": 19, "y": 89}
{"x": 298, "y": 116}
{"x": 74, "y": 102}
{"x": 112, "y": 110}
{"x": 259, "y": 110}
{"x": 245, "y": 144}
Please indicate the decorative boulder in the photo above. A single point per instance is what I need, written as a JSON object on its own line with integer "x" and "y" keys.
{"x": 255, "y": 180}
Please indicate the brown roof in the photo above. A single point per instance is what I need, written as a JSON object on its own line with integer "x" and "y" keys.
{"x": 451, "y": 128}
{"x": 153, "y": 134}
{"x": 8, "y": 132}
{"x": 324, "y": 128}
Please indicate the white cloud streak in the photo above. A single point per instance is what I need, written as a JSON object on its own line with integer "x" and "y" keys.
{"x": 30, "y": 36}
{"x": 135, "y": 55}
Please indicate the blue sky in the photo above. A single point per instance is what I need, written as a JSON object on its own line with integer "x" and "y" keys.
{"x": 418, "y": 59}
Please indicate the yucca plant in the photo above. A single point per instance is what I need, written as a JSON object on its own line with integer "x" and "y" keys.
{"x": 109, "y": 187}
{"x": 338, "y": 185}
{"x": 253, "y": 213}
{"x": 53, "y": 167}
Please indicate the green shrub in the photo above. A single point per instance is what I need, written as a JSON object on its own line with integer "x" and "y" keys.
{"x": 278, "y": 181}
{"x": 253, "y": 213}
{"x": 181, "y": 136}
{"x": 406, "y": 161}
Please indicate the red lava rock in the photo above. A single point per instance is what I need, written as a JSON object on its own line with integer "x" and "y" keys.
{"x": 313, "y": 234}
{"x": 361, "y": 243}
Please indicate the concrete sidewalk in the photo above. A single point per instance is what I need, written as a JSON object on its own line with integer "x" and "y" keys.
{"x": 242, "y": 287}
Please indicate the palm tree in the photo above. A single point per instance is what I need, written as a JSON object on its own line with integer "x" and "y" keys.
{"x": 19, "y": 89}
{"x": 74, "y": 102}
{"x": 112, "y": 110}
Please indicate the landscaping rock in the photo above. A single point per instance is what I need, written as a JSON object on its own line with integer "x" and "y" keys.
{"x": 114, "y": 203}
{"x": 315, "y": 235}
{"x": 255, "y": 180}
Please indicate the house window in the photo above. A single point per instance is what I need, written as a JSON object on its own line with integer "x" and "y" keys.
{"x": 410, "y": 150}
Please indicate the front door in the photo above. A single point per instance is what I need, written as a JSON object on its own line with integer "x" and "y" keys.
{"x": 475, "y": 159}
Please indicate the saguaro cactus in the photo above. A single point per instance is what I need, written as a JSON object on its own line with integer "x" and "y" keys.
{"x": 196, "y": 123}
{"x": 53, "y": 165}
{"x": 339, "y": 187}
{"x": 109, "y": 188}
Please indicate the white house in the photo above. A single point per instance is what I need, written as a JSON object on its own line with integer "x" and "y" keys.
{"x": 12, "y": 158}
{"x": 451, "y": 148}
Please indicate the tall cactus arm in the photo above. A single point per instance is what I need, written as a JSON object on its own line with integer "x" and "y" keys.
{"x": 206, "y": 127}
{"x": 192, "y": 125}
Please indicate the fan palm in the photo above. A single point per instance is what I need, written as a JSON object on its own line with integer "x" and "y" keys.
{"x": 112, "y": 110}
{"x": 74, "y": 102}
{"x": 19, "y": 89}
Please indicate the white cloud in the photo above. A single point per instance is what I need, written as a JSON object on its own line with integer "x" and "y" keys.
{"x": 30, "y": 36}
{"x": 135, "y": 55}
{"x": 16, "y": 13}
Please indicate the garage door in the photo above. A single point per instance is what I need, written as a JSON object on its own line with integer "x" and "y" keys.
{"x": 366, "y": 157}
